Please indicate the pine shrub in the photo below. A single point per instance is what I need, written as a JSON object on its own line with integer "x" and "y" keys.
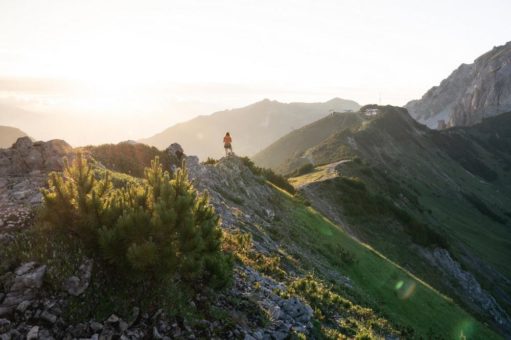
{"x": 155, "y": 229}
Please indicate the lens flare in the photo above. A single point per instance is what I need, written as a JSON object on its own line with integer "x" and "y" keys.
{"x": 464, "y": 330}
{"x": 405, "y": 289}
{"x": 399, "y": 284}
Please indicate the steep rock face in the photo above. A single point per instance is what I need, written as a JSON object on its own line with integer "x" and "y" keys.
{"x": 471, "y": 93}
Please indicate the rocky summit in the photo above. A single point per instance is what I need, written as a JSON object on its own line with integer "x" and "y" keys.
{"x": 472, "y": 92}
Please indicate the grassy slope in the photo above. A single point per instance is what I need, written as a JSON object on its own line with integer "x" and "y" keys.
{"x": 295, "y": 143}
{"x": 434, "y": 166}
{"x": 377, "y": 279}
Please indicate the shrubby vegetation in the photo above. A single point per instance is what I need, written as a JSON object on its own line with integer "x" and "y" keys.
{"x": 477, "y": 203}
{"x": 304, "y": 169}
{"x": 269, "y": 175}
{"x": 240, "y": 244}
{"x": 210, "y": 161}
{"x": 338, "y": 317}
{"x": 128, "y": 158}
{"x": 157, "y": 229}
{"x": 359, "y": 204}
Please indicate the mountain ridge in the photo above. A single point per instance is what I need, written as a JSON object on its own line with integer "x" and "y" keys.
{"x": 252, "y": 127}
{"x": 470, "y": 93}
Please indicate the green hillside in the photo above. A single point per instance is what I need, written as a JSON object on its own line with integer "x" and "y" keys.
{"x": 436, "y": 202}
{"x": 292, "y": 146}
{"x": 317, "y": 244}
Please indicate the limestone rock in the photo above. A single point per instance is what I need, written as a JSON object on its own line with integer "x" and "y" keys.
{"x": 25, "y": 156}
{"x": 471, "y": 93}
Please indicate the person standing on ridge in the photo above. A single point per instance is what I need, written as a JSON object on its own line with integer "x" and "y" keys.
{"x": 227, "y": 144}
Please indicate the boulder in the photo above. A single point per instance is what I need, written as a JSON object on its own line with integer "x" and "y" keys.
{"x": 25, "y": 157}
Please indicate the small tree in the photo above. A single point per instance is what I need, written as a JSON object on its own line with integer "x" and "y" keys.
{"x": 158, "y": 228}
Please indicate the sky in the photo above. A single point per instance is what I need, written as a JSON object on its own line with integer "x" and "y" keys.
{"x": 105, "y": 71}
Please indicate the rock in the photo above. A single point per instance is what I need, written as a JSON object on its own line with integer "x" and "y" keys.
{"x": 123, "y": 326}
{"x": 76, "y": 285}
{"x": 298, "y": 310}
{"x": 112, "y": 320}
{"x": 5, "y": 326}
{"x": 48, "y": 317}
{"x": 95, "y": 326}
{"x": 22, "y": 307}
{"x": 33, "y": 334}
{"x": 25, "y": 268}
{"x": 471, "y": 93}
{"x": 467, "y": 286}
{"x": 176, "y": 154}
{"x": 25, "y": 157}
{"x": 45, "y": 334}
{"x": 31, "y": 279}
{"x": 156, "y": 334}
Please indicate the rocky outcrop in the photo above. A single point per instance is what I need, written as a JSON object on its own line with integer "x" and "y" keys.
{"x": 23, "y": 171}
{"x": 25, "y": 156}
{"x": 21, "y": 288}
{"x": 471, "y": 93}
{"x": 239, "y": 197}
{"x": 467, "y": 286}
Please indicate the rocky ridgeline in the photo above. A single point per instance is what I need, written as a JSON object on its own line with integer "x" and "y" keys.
{"x": 30, "y": 311}
{"x": 471, "y": 93}
{"x": 240, "y": 198}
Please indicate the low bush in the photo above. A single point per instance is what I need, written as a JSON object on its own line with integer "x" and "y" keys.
{"x": 361, "y": 205}
{"x": 340, "y": 318}
{"x": 269, "y": 175}
{"x": 156, "y": 229}
{"x": 304, "y": 169}
{"x": 210, "y": 160}
{"x": 477, "y": 203}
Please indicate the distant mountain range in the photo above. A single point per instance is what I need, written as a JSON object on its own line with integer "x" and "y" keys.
{"x": 252, "y": 127}
{"x": 471, "y": 93}
{"x": 9, "y": 135}
{"x": 436, "y": 202}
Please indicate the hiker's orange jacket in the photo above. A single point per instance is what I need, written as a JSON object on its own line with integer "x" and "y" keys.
{"x": 227, "y": 140}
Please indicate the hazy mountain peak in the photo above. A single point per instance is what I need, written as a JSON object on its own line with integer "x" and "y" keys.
{"x": 9, "y": 135}
{"x": 253, "y": 127}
